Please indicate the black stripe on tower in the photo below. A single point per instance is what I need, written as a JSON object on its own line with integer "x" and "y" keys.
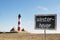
{"x": 19, "y": 16}
{"x": 18, "y": 22}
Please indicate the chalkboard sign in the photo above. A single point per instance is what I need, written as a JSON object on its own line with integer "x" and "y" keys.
{"x": 47, "y": 21}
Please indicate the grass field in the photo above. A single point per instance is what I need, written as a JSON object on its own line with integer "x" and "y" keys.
{"x": 28, "y": 36}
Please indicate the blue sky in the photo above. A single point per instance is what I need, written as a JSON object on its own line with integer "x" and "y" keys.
{"x": 9, "y": 10}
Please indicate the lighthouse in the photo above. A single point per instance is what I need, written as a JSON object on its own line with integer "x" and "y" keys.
{"x": 14, "y": 29}
{"x": 19, "y": 22}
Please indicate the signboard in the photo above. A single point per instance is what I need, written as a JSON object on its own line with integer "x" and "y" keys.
{"x": 47, "y": 21}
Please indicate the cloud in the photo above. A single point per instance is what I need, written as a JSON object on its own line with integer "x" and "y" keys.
{"x": 57, "y": 9}
{"x": 42, "y": 8}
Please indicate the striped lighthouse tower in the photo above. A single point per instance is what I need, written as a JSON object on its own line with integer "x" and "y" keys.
{"x": 19, "y": 16}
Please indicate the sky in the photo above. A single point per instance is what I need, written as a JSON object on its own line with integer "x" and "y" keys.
{"x": 9, "y": 10}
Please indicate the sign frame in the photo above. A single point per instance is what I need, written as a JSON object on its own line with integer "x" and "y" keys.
{"x": 55, "y": 15}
